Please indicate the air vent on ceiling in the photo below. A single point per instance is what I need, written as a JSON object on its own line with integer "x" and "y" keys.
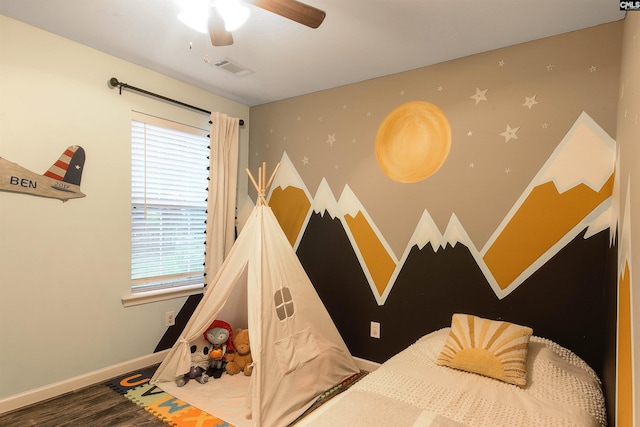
{"x": 229, "y": 66}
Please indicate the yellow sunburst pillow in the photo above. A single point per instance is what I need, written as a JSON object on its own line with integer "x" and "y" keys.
{"x": 487, "y": 347}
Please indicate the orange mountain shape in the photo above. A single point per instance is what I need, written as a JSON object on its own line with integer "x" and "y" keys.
{"x": 378, "y": 261}
{"x": 290, "y": 206}
{"x": 542, "y": 220}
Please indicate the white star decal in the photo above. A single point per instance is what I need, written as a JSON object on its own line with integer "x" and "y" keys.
{"x": 549, "y": 67}
{"x": 545, "y": 125}
{"x": 593, "y": 69}
{"x": 305, "y": 160}
{"x": 507, "y": 170}
{"x": 501, "y": 63}
{"x": 402, "y": 93}
{"x": 530, "y": 101}
{"x": 480, "y": 95}
{"x": 469, "y": 133}
{"x": 440, "y": 88}
{"x": 472, "y": 165}
{"x": 331, "y": 138}
{"x": 510, "y": 133}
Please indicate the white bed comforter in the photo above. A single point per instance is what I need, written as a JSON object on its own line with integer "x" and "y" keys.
{"x": 411, "y": 390}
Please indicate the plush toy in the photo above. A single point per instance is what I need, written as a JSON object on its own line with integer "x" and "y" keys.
{"x": 199, "y": 363}
{"x": 241, "y": 360}
{"x": 220, "y": 336}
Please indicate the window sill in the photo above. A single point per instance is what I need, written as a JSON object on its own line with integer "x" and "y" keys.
{"x": 139, "y": 298}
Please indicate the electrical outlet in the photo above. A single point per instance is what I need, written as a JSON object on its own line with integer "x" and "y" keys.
{"x": 170, "y": 318}
{"x": 375, "y": 330}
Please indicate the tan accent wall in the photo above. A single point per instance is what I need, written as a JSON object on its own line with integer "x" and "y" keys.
{"x": 331, "y": 134}
{"x": 508, "y": 110}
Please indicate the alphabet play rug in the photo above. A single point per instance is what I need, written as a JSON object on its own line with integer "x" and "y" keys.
{"x": 135, "y": 387}
{"x": 178, "y": 413}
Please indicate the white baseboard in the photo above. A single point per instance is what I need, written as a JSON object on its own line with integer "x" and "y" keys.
{"x": 366, "y": 365}
{"x": 52, "y": 390}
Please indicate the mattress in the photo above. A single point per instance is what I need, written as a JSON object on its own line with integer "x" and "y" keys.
{"x": 410, "y": 389}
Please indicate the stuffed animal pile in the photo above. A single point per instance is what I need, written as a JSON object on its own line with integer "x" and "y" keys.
{"x": 219, "y": 350}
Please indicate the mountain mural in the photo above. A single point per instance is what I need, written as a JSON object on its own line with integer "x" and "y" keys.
{"x": 561, "y": 223}
{"x": 562, "y": 200}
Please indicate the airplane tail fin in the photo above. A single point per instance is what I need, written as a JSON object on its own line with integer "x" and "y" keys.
{"x": 69, "y": 166}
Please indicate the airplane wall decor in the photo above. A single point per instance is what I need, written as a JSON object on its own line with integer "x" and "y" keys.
{"x": 61, "y": 181}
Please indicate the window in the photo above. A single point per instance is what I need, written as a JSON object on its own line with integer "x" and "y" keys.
{"x": 284, "y": 303}
{"x": 169, "y": 177}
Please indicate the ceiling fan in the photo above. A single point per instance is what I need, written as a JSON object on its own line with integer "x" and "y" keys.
{"x": 223, "y": 16}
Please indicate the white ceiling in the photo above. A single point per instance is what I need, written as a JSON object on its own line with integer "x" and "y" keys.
{"x": 359, "y": 39}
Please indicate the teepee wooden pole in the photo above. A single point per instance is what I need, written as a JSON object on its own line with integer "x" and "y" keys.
{"x": 264, "y": 178}
{"x": 262, "y": 185}
{"x": 253, "y": 180}
{"x": 273, "y": 175}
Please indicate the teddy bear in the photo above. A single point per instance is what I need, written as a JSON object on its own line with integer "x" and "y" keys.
{"x": 240, "y": 360}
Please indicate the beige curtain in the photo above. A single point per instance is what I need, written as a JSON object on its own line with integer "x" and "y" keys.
{"x": 223, "y": 174}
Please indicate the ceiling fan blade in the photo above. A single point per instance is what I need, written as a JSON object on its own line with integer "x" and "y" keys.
{"x": 218, "y": 35}
{"x": 294, "y": 10}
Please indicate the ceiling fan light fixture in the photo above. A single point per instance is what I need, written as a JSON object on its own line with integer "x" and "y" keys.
{"x": 233, "y": 13}
{"x": 195, "y": 15}
{"x": 193, "y": 21}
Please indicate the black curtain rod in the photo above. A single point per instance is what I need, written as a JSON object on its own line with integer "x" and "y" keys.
{"x": 113, "y": 82}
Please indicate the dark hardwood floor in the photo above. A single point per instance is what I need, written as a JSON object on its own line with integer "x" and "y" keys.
{"x": 99, "y": 406}
{"x": 95, "y": 406}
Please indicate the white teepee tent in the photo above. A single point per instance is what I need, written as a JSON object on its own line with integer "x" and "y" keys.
{"x": 298, "y": 353}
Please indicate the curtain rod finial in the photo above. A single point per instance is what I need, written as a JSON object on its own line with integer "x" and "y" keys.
{"x": 113, "y": 82}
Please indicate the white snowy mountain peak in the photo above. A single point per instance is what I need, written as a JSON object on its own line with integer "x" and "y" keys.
{"x": 582, "y": 143}
{"x": 287, "y": 176}
{"x": 427, "y": 232}
{"x": 325, "y": 201}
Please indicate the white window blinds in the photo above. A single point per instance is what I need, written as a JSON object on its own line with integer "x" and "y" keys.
{"x": 168, "y": 203}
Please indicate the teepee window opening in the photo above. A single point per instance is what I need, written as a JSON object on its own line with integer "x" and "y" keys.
{"x": 284, "y": 303}
{"x": 168, "y": 203}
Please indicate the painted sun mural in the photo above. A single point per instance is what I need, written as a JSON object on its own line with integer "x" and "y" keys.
{"x": 413, "y": 141}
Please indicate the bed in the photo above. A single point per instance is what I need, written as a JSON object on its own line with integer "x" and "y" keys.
{"x": 548, "y": 386}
